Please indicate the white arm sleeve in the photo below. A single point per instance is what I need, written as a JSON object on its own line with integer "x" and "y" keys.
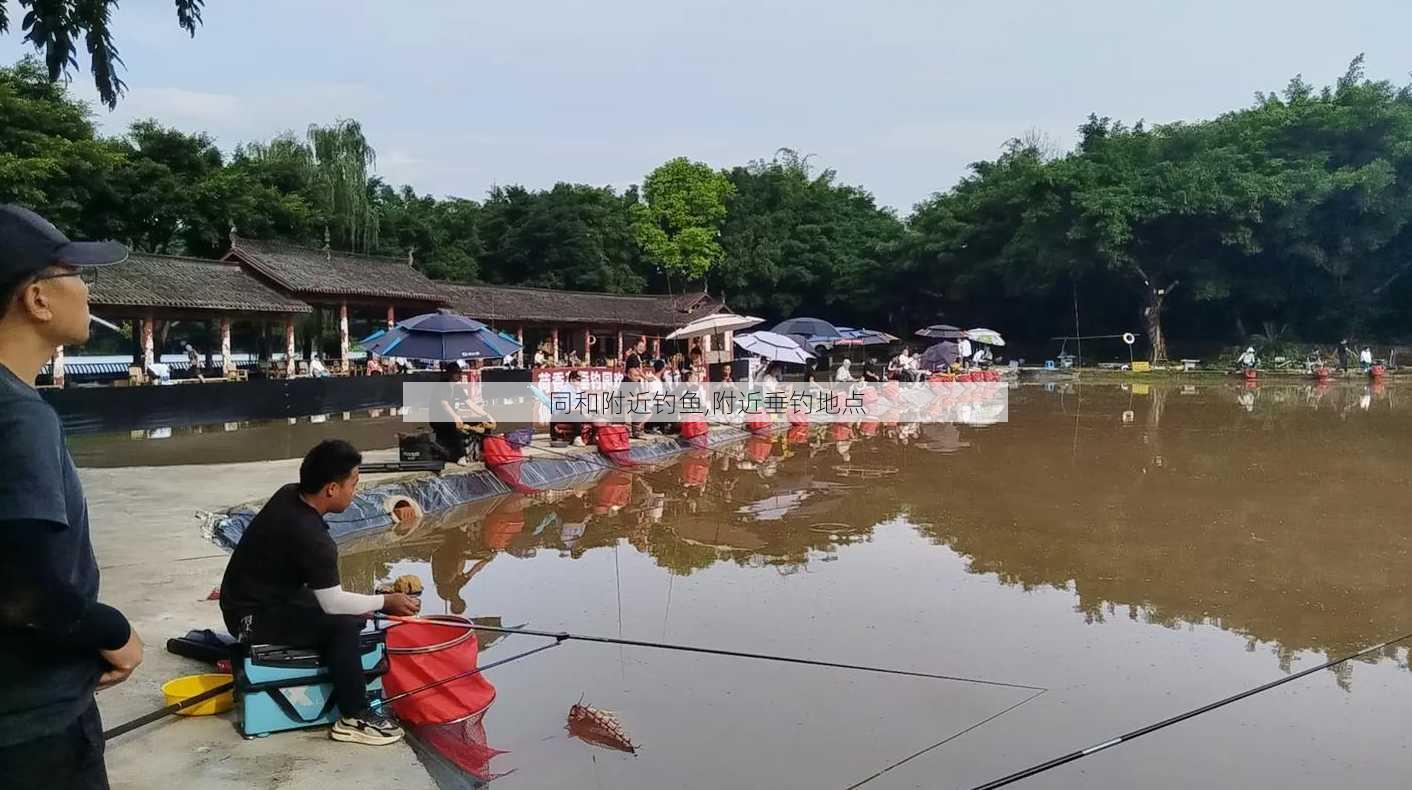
{"x": 336, "y": 600}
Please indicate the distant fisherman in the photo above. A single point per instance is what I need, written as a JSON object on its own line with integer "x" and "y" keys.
{"x": 1247, "y": 360}
{"x": 57, "y": 642}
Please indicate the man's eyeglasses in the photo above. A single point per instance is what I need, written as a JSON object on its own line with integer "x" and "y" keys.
{"x": 88, "y": 275}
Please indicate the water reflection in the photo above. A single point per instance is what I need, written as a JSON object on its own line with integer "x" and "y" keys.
{"x": 1268, "y": 514}
{"x": 1273, "y": 520}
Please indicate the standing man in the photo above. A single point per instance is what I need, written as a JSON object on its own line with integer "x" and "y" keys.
{"x": 633, "y": 358}
{"x": 282, "y": 587}
{"x": 1344, "y": 352}
{"x": 57, "y": 643}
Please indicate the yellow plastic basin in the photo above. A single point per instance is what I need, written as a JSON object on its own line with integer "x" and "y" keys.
{"x": 182, "y": 688}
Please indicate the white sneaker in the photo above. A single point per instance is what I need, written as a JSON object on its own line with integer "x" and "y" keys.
{"x": 371, "y": 728}
{"x": 578, "y": 441}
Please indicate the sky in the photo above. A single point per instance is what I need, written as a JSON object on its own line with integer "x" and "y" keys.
{"x": 897, "y": 96}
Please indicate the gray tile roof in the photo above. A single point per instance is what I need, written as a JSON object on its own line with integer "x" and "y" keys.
{"x": 164, "y": 281}
{"x": 306, "y": 271}
{"x": 542, "y": 305}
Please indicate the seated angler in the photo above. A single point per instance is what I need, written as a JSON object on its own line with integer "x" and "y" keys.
{"x": 282, "y": 586}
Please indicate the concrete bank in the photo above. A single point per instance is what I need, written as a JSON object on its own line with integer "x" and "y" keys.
{"x": 158, "y": 570}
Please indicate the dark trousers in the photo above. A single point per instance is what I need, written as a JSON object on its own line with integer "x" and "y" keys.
{"x": 67, "y": 760}
{"x": 335, "y": 636}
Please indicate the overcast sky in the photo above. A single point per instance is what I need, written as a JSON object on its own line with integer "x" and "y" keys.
{"x": 896, "y": 96}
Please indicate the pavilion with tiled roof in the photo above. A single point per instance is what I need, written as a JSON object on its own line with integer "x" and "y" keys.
{"x": 263, "y": 282}
{"x": 586, "y": 316}
{"x": 337, "y": 281}
{"x": 150, "y": 288}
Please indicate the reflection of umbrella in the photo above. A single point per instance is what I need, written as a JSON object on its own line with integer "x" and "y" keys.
{"x": 813, "y": 328}
{"x": 941, "y": 355}
{"x": 715, "y": 324}
{"x": 774, "y": 347}
{"x": 943, "y": 331}
{"x": 864, "y": 337}
{"x": 989, "y": 337}
{"x": 442, "y": 336}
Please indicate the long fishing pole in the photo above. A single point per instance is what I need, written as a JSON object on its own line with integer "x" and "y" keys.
{"x": 563, "y": 635}
{"x": 225, "y": 688}
{"x": 1138, "y": 733}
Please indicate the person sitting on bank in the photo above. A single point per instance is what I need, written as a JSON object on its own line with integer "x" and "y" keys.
{"x": 458, "y": 422}
{"x": 282, "y": 587}
{"x": 1247, "y": 360}
{"x": 1365, "y": 359}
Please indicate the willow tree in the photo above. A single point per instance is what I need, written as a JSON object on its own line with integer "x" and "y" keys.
{"x": 341, "y": 160}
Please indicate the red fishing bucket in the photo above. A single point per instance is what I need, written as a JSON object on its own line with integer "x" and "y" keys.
{"x": 693, "y": 428}
{"x": 496, "y": 450}
{"x": 757, "y": 424}
{"x": 612, "y": 438}
{"x": 424, "y": 653}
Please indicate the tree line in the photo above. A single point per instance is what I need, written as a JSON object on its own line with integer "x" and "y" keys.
{"x": 1285, "y": 219}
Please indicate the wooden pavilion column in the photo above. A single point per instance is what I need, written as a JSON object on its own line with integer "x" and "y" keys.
{"x": 622, "y": 353}
{"x": 227, "y": 364}
{"x": 57, "y": 367}
{"x": 289, "y": 346}
{"x": 586, "y": 348}
{"x": 148, "y": 353}
{"x": 343, "y": 333}
{"x": 705, "y": 345}
{"x": 656, "y": 348}
{"x": 728, "y": 342}
{"x": 520, "y": 355}
{"x": 391, "y": 316}
{"x": 554, "y": 345}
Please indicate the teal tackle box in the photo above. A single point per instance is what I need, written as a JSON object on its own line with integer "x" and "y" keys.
{"x": 280, "y": 688}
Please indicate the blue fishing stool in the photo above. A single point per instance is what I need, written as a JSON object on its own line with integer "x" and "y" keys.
{"x": 280, "y": 688}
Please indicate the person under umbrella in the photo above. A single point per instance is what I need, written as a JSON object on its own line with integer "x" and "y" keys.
{"x": 459, "y": 423}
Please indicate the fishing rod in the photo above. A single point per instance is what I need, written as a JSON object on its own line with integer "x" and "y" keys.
{"x": 224, "y": 688}
{"x": 560, "y": 636}
{"x": 1138, "y": 733}
{"x": 468, "y": 673}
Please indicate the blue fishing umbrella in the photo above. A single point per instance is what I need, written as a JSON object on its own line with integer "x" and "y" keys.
{"x": 444, "y": 337}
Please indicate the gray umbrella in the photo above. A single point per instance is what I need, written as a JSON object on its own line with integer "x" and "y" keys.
{"x": 941, "y": 355}
{"x": 942, "y": 331}
{"x": 813, "y": 328}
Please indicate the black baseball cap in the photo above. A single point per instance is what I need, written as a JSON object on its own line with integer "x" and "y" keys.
{"x": 29, "y": 243}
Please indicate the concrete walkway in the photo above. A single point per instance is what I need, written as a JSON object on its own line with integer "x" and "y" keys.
{"x": 158, "y": 570}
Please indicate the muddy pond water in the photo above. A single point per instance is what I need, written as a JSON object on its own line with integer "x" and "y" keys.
{"x": 1137, "y": 551}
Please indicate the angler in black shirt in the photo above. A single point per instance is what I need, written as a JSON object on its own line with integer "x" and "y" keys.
{"x": 282, "y": 586}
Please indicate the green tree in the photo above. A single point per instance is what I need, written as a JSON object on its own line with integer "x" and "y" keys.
{"x": 571, "y": 236}
{"x": 50, "y": 158}
{"x": 793, "y": 238}
{"x": 54, "y": 26}
{"x": 678, "y": 225}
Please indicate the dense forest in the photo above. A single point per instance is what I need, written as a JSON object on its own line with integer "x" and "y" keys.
{"x": 1284, "y": 220}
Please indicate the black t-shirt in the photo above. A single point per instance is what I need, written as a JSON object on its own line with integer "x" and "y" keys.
{"x": 43, "y": 686}
{"x": 285, "y": 553}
